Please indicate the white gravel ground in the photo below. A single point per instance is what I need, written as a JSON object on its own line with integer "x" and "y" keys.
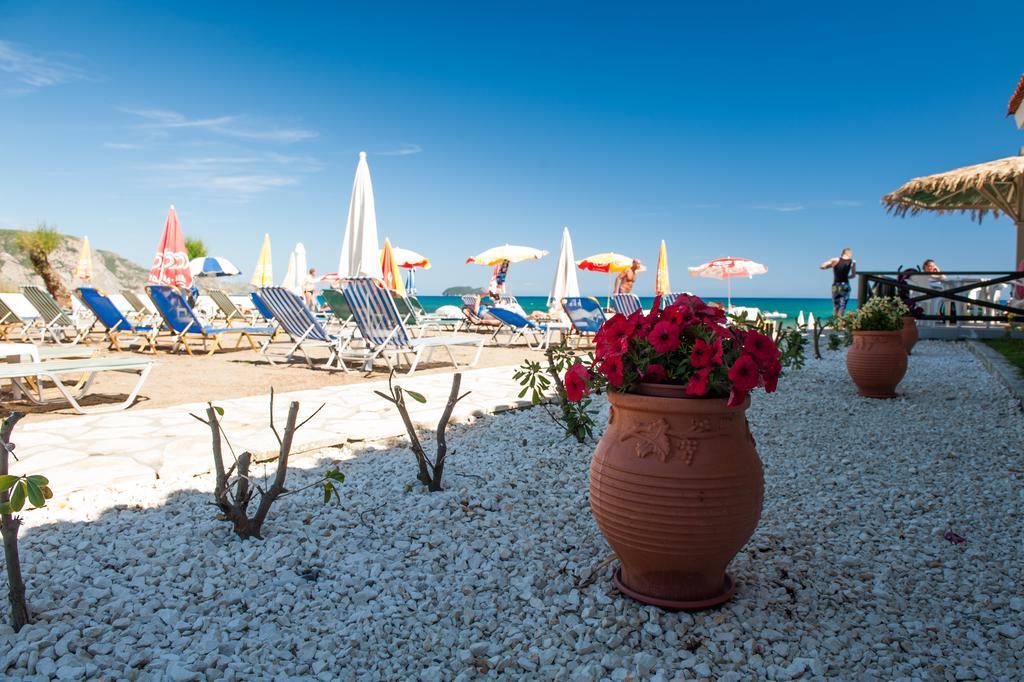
{"x": 849, "y": 575}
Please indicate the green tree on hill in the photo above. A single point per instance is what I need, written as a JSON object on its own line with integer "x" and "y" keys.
{"x": 38, "y": 244}
{"x": 195, "y": 247}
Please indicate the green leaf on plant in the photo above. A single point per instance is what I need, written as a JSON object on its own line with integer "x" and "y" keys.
{"x": 327, "y": 492}
{"x": 418, "y": 397}
{"x": 35, "y": 495}
{"x": 218, "y": 410}
{"x": 335, "y": 475}
{"x": 18, "y": 496}
{"x": 7, "y": 481}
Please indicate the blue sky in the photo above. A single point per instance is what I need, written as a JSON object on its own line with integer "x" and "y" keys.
{"x": 762, "y": 131}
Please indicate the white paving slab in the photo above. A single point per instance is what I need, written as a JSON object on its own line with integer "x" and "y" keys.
{"x": 117, "y": 449}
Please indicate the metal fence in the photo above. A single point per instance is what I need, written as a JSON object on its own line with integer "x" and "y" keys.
{"x": 954, "y": 296}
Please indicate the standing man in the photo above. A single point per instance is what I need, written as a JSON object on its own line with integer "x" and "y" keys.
{"x": 626, "y": 279}
{"x": 843, "y": 268}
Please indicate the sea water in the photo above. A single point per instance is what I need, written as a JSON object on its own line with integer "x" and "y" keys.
{"x": 821, "y": 308}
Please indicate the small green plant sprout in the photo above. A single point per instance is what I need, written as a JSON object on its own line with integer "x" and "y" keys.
{"x": 429, "y": 473}
{"x": 235, "y": 488}
{"x": 15, "y": 491}
{"x": 537, "y": 380}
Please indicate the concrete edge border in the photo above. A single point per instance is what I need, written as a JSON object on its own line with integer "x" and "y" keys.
{"x": 1000, "y": 368}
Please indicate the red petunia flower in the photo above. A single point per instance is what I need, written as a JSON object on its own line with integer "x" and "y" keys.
{"x": 705, "y": 354}
{"x": 664, "y": 337}
{"x": 612, "y": 370}
{"x": 679, "y": 315}
{"x": 655, "y": 374}
{"x": 771, "y": 376}
{"x": 744, "y": 374}
{"x": 576, "y": 378}
{"x": 761, "y": 347}
{"x": 613, "y": 337}
{"x": 698, "y": 383}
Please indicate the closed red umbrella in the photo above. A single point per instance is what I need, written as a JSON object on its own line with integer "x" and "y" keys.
{"x": 170, "y": 264}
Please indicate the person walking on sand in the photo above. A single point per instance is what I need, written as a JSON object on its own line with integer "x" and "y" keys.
{"x": 626, "y": 279}
{"x": 843, "y": 268}
{"x": 309, "y": 289}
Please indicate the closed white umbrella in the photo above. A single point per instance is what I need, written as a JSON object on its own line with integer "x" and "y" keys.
{"x": 299, "y": 256}
{"x": 565, "y": 284}
{"x": 291, "y": 276}
{"x": 810, "y": 320}
{"x": 359, "y": 250}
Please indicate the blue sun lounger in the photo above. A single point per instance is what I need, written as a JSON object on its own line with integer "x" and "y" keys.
{"x": 185, "y": 324}
{"x": 585, "y": 314}
{"x": 114, "y": 322}
{"x": 520, "y": 326}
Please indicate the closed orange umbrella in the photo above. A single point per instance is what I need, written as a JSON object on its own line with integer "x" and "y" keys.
{"x": 661, "y": 286}
{"x": 389, "y": 267}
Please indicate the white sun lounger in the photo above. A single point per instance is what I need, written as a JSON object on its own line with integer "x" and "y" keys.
{"x": 20, "y": 374}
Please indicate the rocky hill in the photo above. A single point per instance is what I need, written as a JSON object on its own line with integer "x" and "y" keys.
{"x": 111, "y": 272}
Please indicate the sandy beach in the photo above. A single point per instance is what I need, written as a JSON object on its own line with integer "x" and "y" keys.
{"x": 179, "y": 378}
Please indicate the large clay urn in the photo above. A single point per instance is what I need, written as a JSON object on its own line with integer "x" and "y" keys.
{"x": 676, "y": 488}
{"x": 909, "y": 333}
{"x": 877, "y": 362}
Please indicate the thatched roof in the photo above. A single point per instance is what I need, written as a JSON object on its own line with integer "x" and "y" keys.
{"x": 993, "y": 187}
{"x": 1018, "y": 97}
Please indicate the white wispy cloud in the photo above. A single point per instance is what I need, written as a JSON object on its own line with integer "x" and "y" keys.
{"x": 404, "y": 150}
{"x": 238, "y": 176}
{"x": 781, "y": 208}
{"x": 229, "y": 125}
{"x": 33, "y": 71}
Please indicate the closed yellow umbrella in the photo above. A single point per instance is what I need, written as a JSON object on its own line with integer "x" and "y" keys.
{"x": 389, "y": 268}
{"x": 661, "y": 286}
{"x": 83, "y": 270}
{"x": 263, "y": 275}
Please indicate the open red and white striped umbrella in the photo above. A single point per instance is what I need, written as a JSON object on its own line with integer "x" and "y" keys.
{"x": 727, "y": 268}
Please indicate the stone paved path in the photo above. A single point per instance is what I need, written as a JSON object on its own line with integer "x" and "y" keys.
{"x": 121, "y": 448}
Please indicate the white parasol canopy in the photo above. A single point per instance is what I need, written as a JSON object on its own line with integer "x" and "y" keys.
{"x": 509, "y": 252}
{"x": 359, "y": 250}
{"x": 566, "y": 283}
{"x": 727, "y": 268}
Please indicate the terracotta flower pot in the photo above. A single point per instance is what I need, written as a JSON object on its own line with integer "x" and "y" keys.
{"x": 909, "y": 332}
{"x": 676, "y": 488}
{"x": 877, "y": 362}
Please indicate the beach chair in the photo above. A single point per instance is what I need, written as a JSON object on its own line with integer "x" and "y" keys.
{"x": 114, "y": 322}
{"x": 440, "y": 321}
{"x": 141, "y": 313}
{"x": 626, "y": 304}
{"x": 338, "y": 306}
{"x": 260, "y": 307}
{"x": 29, "y": 378}
{"x": 184, "y": 325}
{"x": 521, "y": 326}
{"x": 384, "y": 334}
{"x": 301, "y": 325}
{"x": 418, "y": 326}
{"x": 11, "y": 323}
{"x": 227, "y": 307}
{"x": 585, "y": 314}
{"x": 56, "y": 322}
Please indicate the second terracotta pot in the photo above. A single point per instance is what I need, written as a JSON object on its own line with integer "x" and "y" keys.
{"x": 676, "y": 488}
{"x": 877, "y": 362}
{"x": 909, "y": 333}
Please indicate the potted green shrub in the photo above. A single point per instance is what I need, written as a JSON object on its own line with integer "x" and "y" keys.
{"x": 877, "y": 360}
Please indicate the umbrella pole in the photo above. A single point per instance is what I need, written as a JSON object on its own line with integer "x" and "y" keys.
{"x": 728, "y": 285}
{"x": 1020, "y": 242}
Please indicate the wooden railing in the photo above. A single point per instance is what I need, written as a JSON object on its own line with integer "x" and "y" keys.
{"x": 947, "y": 295}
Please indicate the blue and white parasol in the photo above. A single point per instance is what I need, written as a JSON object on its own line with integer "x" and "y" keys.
{"x": 212, "y": 266}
